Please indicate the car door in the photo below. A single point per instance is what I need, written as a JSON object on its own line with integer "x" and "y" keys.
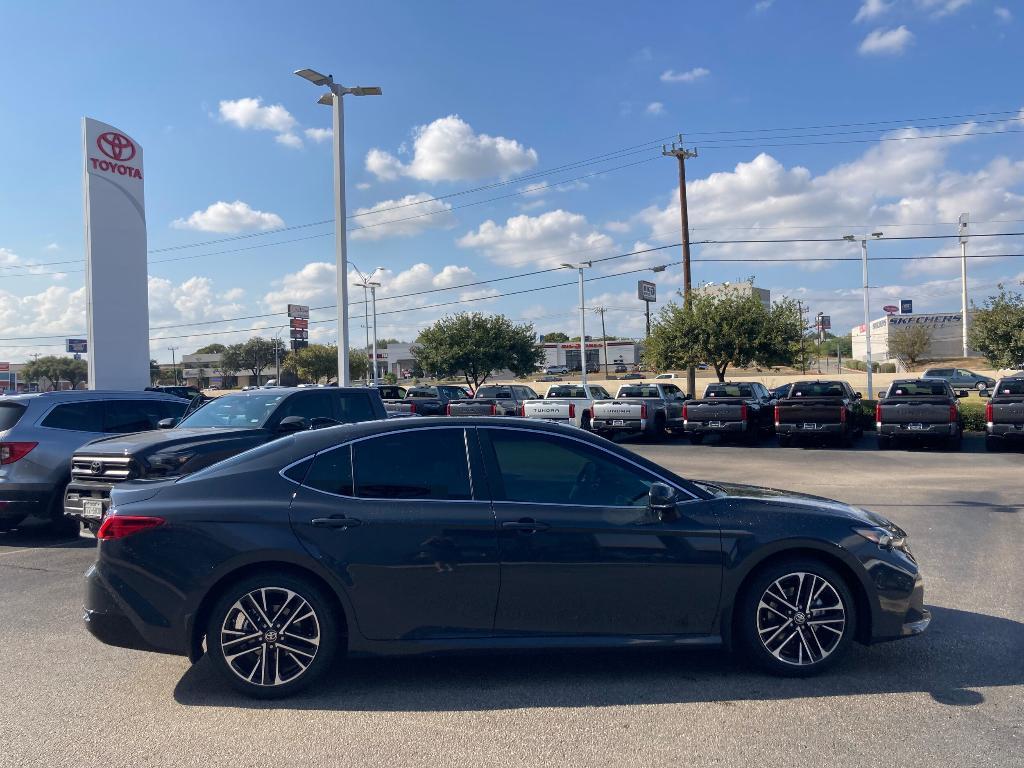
{"x": 397, "y": 518}
{"x": 581, "y": 551}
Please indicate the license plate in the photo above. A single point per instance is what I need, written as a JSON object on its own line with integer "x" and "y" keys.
{"x": 92, "y": 508}
{"x": 618, "y": 423}
{"x": 915, "y": 426}
{"x": 714, "y": 424}
{"x": 810, "y": 426}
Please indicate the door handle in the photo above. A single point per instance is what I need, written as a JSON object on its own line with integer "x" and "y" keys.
{"x": 526, "y": 524}
{"x": 336, "y": 521}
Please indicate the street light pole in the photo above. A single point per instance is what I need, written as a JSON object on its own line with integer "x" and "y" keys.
{"x": 964, "y": 219}
{"x": 867, "y": 305}
{"x": 335, "y": 101}
{"x": 366, "y": 317}
{"x": 583, "y": 323}
{"x": 373, "y": 301}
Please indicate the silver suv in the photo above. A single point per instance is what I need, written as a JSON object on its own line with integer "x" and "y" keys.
{"x": 39, "y": 433}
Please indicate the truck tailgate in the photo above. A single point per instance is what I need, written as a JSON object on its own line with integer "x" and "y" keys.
{"x": 818, "y": 410}
{"x": 618, "y": 410}
{"x": 917, "y": 411}
{"x": 475, "y": 408}
{"x": 1008, "y": 411}
{"x": 546, "y": 409}
{"x": 724, "y": 409}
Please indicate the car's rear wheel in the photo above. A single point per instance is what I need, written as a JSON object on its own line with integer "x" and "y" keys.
{"x": 785, "y": 441}
{"x": 981, "y": 385}
{"x": 273, "y": 634}
{"x": 696, "y": 438}
{"x": 797, "y": 618}
{"x": 884, "y": 442}
{"x": 585, "y": 421}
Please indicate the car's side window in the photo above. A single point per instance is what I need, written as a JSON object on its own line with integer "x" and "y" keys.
{"x": 546, "y": 469}
{"x": 331, "y": 472}
{"x": 124, "y": 416}
{"x": 413, "y": 464}
{"x": 79, "y": 417}
{"x": 306, "y": 405}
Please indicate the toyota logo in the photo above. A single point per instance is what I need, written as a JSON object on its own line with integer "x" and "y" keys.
{"x": 96, "y": 467}
{"x": 116, "y": 146}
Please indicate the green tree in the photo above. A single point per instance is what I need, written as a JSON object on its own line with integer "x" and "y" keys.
{"x": 909, "y": 343}
{"x": 731, "y": 327}
{"x": 997, "y": 329}
{"x": 154, "y": 371}
{"x": 56, "y": 368}
{"x": 473, "y": 345}
{"x": 254, "y": 355}
{"x": 211, "y": 349}
{"x": 555, "y": 337}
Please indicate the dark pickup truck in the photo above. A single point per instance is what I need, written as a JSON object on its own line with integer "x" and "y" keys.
{"x": 1004, "y": 413}
{"x": 223, "y": 427}
{"x": 818, "y": 409}
{"x": 743, "y": 409}
{"x": 920, "y": 410}
{"x": 494, "y": 400}
{"x": 433, "y": 400}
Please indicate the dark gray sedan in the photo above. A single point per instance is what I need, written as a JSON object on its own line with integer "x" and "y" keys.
{"x": 415, "y": 536}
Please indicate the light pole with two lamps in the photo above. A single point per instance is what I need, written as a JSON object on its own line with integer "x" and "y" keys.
{"x": 366, "y": 283}
{"x": 334, "y": 100}
{"x": 867, "y": 308}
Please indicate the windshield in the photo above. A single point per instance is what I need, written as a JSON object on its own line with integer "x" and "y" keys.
{"x": 728, "y": 390}
{"x": 249, "y": 409}
{"x": 817, "y": 389}
{"x": 913, "y": 388}
{"x": 639, "y": 391}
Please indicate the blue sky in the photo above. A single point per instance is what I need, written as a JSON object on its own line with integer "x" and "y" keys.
{"x": 482, "y": 93}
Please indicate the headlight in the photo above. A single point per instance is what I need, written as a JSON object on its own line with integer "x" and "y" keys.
{"x": 883, "y": 538}
{"x": 167, "y": 463}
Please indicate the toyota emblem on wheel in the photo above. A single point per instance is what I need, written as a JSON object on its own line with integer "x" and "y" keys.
{"x": 116, "y": 146}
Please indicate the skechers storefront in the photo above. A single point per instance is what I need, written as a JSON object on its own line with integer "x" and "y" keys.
{"x": 946, "y": 336}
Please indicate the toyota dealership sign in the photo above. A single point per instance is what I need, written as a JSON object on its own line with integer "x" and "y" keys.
{"x": 115, "y": 257}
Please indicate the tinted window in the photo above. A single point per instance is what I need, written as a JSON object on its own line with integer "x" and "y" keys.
{"x": 425, "y": 392}
{"x": 353, "y": 407}
{"x": 671, "y": 389}
{"x": 539, "y": 468}
{"x": 306, "y": 405}
{"x": 9, "y": 414}
{"x": 639, "y": 391}
{"x": 332, "y": 472}
{"x": 172, "y": 410}
{"x": 416, "y": 464}
{"x": 818, "y": 389}
{"x": 503, "y": 393}
{"x": 600, "y": 393}
{"x": 247, "y": 409}
{"x": 911, "y": 388}
{"x": 392, "y": 393}
{"x": 81, "y": 417}
{"x": 1006, "y": 387}
{"x": 728, "y": 390}
{"x": 122, "y": 416}
{"x": 567, "y": 390}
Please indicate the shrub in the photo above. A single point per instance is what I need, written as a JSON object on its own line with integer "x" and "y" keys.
{"x": 973, "y": 412}
{"x": 887, "y": 368}
{"x": 867, "y": 415}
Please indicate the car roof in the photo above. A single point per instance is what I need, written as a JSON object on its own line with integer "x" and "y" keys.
{"x": 91, "y": 394}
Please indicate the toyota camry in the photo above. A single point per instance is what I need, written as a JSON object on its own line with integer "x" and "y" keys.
{"x": 402, "y": 537}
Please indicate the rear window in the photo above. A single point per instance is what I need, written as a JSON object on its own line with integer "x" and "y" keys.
{"x": 391, "y": 393}
{"x": 354, "y": 407}
{"x": 1015, "y": 387}
{"x": 817, "y": 389}
{"x": 9, "y": 415}
{"x": 638, "y": 391}
{"x": 503, "y": 393}
{"x": 914, "y": 388}
{"x": 421, "y": 393}
{"x": 728, "y": 390}
{"x": 567, "y": 391}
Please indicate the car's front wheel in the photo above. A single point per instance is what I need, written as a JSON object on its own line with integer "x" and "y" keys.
{"x": 796, "y": 618}
{"x": 273, "y": 634}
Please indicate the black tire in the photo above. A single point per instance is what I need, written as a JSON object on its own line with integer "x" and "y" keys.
{"x": 585, "y": 422}
{"x": 884, "y": 443}
{"x": 993, "y": 444}
{"x": 659, "y": 428}
{"x": 226, "y": 619}
{"x": 955, "y": 442}
{"x": 696, "y": 439}
{"x": 753, "y": 435}
{"x": 60, "y": 524}
{"x": 785, "y": 441}
{"x": 755, "y": 619}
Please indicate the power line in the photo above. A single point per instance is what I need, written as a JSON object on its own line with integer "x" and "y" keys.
{"x": 705, "y": 131}
{"x": 859, "y": 141}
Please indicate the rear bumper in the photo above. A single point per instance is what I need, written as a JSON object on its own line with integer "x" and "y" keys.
{"x": 21, "y": 499}
{"x": 710, "y": 427}
{"x": 1006, "y": 431}
{"x": 809, "y": 429}
{"x": 926, "y": 430}
{"x": 627, "y": 425}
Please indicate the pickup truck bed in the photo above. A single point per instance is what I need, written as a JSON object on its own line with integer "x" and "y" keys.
{"x": 816, "y": 410}
{"x": 729, "y": 409}
{"x": 1004, "y": 415}
{"x": 907, "y": 413}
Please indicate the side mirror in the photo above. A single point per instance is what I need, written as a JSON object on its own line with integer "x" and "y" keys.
{"x": 962, "y": 393}
{"x": 167, "y": 423}
{"x": 984, "y": 393}
{"x": 858, "y": 396}
{"x": 292, "y": 424}
{"x": 662, "y": 499}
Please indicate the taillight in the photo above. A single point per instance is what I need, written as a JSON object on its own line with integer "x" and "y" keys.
{"x": 776, "y": 415}
{"x": 878, "y": 413}
{"x": 686, "y": 412}
{"x": 988, "y": 413}
{"x": 494, "y": 409}
{"x": 448, "y": 410}
{"x": 572, "y": 410}
{"x": 743, "y": 411}
{"x": 643, "y": 410}
{"x": 412, "y": 407}
{"x": 11, "y": 452}
{"x": 120, "y": 526}
{"x": 842, "y": 415}
{"x": 953, "y": 414}
{"x": 522, "y": 410}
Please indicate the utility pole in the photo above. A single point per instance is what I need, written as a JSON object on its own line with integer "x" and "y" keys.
{"x": 174, "y": 363}
{"x": 604, "y": 338}
{"x": 867, "y": 302}
{"x": 964, "y": 219}
{"x": 681, "y": 154}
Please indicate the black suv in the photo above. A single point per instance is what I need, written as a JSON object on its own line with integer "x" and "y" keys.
{"x": 217, "y": 429}
{"x": 186, "y": 393}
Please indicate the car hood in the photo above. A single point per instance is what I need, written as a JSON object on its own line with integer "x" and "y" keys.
{"x": 797, "y": 502}
{"x": 141, "y": 442}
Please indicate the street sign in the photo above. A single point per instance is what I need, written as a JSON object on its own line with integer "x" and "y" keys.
{"x": 890, "y": 309}
{"x": 906, "y": 306}
{"x": 824, "y": 322}
{"x": 298, "y": 310}
{"x": 297, "y": 345}
{"x": 77, "y": 345}
{"x": 646, "y": 290}
{"x": 298, "y": 322}
{"x": 298, "y": 333}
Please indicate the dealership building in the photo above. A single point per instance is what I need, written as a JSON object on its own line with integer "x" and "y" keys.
{"x": 946, "y": 340}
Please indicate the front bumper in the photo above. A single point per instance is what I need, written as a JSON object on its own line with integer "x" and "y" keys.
{"x": 77, "y": 492}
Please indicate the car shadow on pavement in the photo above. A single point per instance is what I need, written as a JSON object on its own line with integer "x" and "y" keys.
{"x": 961, "y": 652}
{"x": 38, "y": 536}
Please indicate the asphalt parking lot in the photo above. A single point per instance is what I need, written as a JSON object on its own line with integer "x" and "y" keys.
{"x": 954, "y": 696}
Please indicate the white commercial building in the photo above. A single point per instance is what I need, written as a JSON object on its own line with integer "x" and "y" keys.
{"x": 946, "y": 336}
{"x": 717, "y": 289}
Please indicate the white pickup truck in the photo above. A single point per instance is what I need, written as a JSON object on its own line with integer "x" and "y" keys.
{"x": 571, "y": 404}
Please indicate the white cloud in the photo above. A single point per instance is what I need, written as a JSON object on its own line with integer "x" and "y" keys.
{"x": 9, "y": 258}
{"x": 363, "y": 185}
{"x": 940, "y": 8}
{"x": 449, "y": 150}
{"x": 250, "y": 114}
{"x": 538, "y": 188}
{"x": 545, "y": 240}
{"x": 319, "y": 135}
{"x": 617, "y": 226}
{"x": 689, "y": 76}
{"x": 535, "y": 189}
{"x": 229, "y": 217}
{"x": 52, "y": 247}
{"x": 886, "y": 41}
{"x": 655, "y": 108}
{"x": 290, "y": 140}
{"x": 314, "y": 284}
{"x": 872, "y": 9}
{"x": 763, "y": 5}
{"x": 1003, "y": 14}
{"x": 405, "y": 217}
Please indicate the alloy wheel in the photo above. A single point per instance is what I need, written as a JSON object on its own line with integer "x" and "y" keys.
{"x": 801, "y": 619}
{"x": 270, "y": 636}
